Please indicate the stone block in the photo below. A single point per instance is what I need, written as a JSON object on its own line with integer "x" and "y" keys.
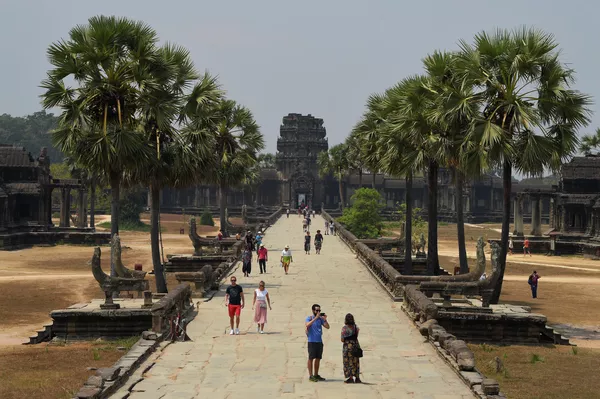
{"x": 466, "y": 361}
{"x": 149, "y": 335}
{"x": 490, "y": 386}
{"x": 95, "y": 381}
{"x": 472, "y": 377}
{"x": 436, "y": 331}
{"x": 108, "y": 373}
{"x": 444, "y": 338}
{"x": 424, "y": 328}
{"x": 88, "y": 392}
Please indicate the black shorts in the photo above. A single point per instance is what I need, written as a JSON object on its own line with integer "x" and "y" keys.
{"x": 315, "y": 350}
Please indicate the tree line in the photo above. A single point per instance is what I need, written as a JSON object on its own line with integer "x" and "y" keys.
{"x": 503, "y": 101}
{"x": 133, "y": 112}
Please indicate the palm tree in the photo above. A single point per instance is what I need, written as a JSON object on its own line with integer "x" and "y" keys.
{"x": 355, "y": 154}
{"x": 267, "y": 160}
{"x": 335, "y": 161}
{"x": 413, "y": 100}
{"x": 236, "y": 141}
{"x": 454, "y": 110}
{"x": 367, "y": 132}
{"x": 590, "y": 142}
{"x": 106, "y": 60}
{"x": 530, "y": 113}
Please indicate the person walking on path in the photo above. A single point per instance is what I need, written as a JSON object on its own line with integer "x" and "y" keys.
{"x": 287, "y": 213}
{"x": 259, "y": 305}
{"x": 263, "y": 257}
{"x": 331, "y": 229}
{"x": 526, "y": 249}
{"x": 258, "y": 240}
{"x": 250, "y": 240}
{"x": 326, "y": 227}
{"x": 234, "y": 301}
{"x": 314, "y": 332}
{"x": 307, "y": 243}
{"x": 318, "y": 242}
{"x": 533, "y": 283}
{"x": 511, "y": 245}
{"x": 304, "y": 224}
{"x": 286, "y": 258}
{"x": 350, "y": 341}
{"x": 247, "y": 261}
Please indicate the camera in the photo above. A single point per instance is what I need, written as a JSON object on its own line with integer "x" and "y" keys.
{"x": 323, "y": 314}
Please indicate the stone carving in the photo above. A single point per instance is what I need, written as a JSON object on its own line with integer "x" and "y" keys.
{"x": 198, "y": 241}
{"x": 120, "y": 269}
{"x": 111, "y": 285}
{"x": 417, "y": 303}
{"x": 203, "y": 280}
{"x": 245, "y": 214}
{"x": 421, "y": 247}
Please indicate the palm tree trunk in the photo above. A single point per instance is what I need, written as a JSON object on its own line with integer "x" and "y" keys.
{"x": 408, "y": 267}
{"x": 341, "y": 191}
{"x": 115, "y": 188}
{"x": 222, "y": 207}
{"x": 93, "y": 202}
{"x": 433, "y": 264}
{"x": 373, "y": 181}
{"x": 460, "y": 223}
{"x": 506, "y": 178}
{"x": 159, "y": 274}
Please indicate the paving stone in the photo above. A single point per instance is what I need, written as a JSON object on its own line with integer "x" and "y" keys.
{"x": 397, "y": 363}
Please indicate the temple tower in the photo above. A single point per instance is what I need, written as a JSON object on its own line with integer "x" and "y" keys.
{"x": 302, "y": 138}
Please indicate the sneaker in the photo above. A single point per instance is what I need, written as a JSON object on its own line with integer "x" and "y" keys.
{"x": 258, "y": 329}
{"x": 262, "y": 332}
{"x": 319, "y": 378}
{"x": 237, "y": 331}
{"x": 313, "y": 378}
{"x": 231, "y": 332}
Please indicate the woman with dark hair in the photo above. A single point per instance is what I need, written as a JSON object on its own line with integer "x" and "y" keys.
{"x": 307, "y": 243}
{"x": 247, "y": 261}
{"x": 350, "y": 340}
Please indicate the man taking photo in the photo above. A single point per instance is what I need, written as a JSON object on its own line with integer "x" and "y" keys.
{"x": 314, "y": 332}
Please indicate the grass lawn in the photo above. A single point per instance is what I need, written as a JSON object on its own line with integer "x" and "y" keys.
{"x": 54, "y": 371}
{"x": 532, "y": 372}
{"x": 128, "y": 226}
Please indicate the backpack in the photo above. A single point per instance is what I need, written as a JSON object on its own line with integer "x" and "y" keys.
{"x": 530, "y": 281}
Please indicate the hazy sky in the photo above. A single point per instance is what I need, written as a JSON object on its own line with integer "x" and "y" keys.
{"x": 276, "y": 57}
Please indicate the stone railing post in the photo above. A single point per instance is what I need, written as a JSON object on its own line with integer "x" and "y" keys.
{"x": 518, "y": 215}
{"x": 65, "y": 207}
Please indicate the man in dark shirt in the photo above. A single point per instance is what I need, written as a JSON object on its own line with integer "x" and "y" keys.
{"x": 318, "y": 241}
{"x": 234, "y": 300}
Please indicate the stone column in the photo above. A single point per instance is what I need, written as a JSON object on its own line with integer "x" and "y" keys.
{"x": 518, "y": 215}
{"x": 65, "y": 207}
{"x": 467, "y": 206}
{"x": 81, "y": 214}
{"x": 536, "y": 215}
{"x": 491, "y": 198}
{"x": 552, "y": 213}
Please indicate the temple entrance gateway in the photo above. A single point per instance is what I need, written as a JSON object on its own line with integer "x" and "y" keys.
{"x": 302, "y": 199}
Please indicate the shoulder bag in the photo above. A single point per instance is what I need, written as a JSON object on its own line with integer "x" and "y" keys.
{"x": 356, "y": 349}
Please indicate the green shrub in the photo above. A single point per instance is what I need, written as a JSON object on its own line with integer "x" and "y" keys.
{"x": 206, "y": 219}
{"x": 363, "y": 218}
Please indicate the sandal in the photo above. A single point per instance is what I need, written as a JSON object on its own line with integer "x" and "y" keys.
{"x": 357, "y": 381}
{"x": 349, "y": 381}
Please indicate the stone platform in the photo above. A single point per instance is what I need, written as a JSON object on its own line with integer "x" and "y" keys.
{"x": 84, "y": 321}
{"x": 22, "y": 239}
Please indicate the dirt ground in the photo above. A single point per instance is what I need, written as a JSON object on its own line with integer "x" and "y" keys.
{"x": 533, "y": 372}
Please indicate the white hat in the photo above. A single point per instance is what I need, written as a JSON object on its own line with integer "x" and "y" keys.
{"x": 287, "y": 246}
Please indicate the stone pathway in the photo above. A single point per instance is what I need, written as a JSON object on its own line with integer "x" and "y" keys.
{"x": 397, "y": 362}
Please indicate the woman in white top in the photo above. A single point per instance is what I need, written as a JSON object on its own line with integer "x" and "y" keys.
{"x": 286, "y": 258}
{"x": 259, "y": 304}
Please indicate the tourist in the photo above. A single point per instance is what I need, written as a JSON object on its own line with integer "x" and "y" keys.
{"x": 238, "y": 236}
{"x": 287, "y": 213}
{"x": 483, "y": 276}
{"x": 332, "y": 228}
{"x": 261, "y": 300}
{"x": 351, "y": 360}
{"x": 511, "y": 245}
{"x": 307, "y": 243}
{"x": 526, "y": 249}
{"x": 304, "y": 224}
{"x": 313, "y": 212}
{"x": 326, "y": 227}
{"x": 314, "y": 332}
{"x": 250, "y": 240}
{"x": 318, "y": 242}
{"x": 533, "y": 283}
{"x": 258, "y": 240}
{"x": 247, "y": 261}
{"x": 220, "y": 235}
{"x": 262, "y": 258}
{"x": 286, "y": 258}
{"x": 234, "y": 301}
{"x": 299, "y": 211}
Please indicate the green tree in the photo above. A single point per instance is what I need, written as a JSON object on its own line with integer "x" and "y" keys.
{"x": 32, "y": 132}
{"x": 362, "y": 218}
{"x": 235, "y": 142}
{"x": 590, "y": 142}
{"x": 206, "y": 219}
{"x": 530, "y": 112}
{"x": 107, "y": 61}
{"x": 335, "y": 161}
{"x": 266, "y": 160}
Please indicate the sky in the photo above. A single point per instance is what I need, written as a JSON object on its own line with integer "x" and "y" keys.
{"x": 278, "y": 57}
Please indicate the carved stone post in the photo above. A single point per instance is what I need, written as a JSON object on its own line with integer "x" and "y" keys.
{"x": 536, "y": 216}
{"x": 81, "y": 214}
{"x": 552, "y": 213}
{"x": 518, "y": 212}
{"x": 65, "y": 207}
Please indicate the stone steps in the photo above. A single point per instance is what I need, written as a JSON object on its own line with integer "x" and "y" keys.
{"x": 43, "y": 335}
{"x": 555, "y": 336}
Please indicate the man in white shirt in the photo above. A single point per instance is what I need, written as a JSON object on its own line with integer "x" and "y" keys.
{"x": 286, "y": 258}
